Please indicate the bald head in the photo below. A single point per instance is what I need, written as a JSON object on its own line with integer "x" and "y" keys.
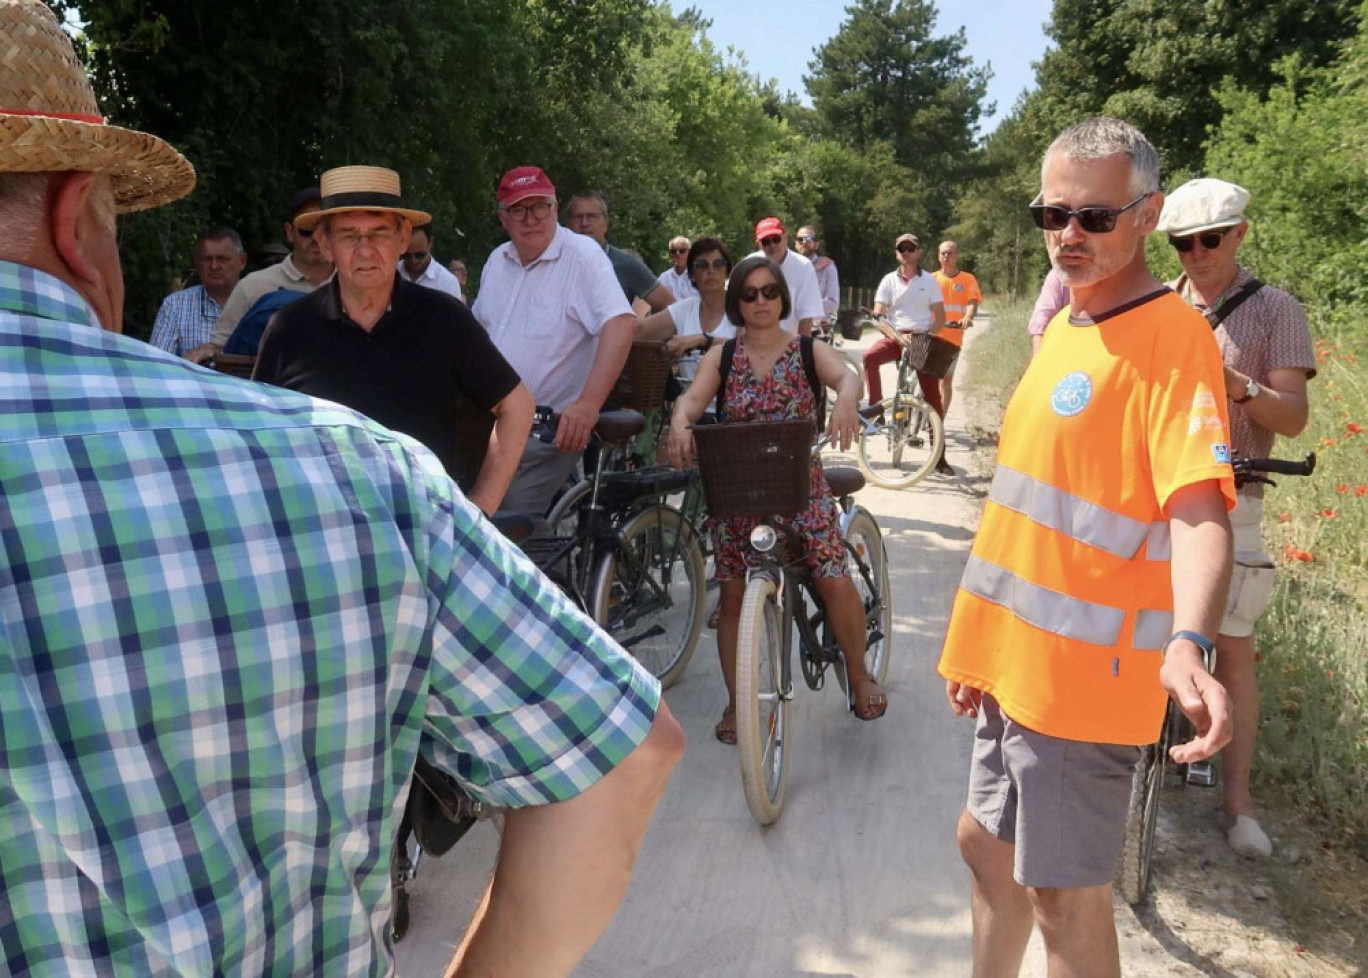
{"x": 949, "y": 255}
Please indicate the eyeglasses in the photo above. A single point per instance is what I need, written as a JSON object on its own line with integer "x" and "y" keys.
{"x": 807, "y": 239}
{"x": 703, "y": 264}
{"x": 773, "y": 239}
{"x": 904, "y": 248}
{"x": 1211, "y": 240}
{"x": 519, "y": 212}
{"x": 679, "y": 251}
{"x": 353, "y": 239}
{"x": 1094, "y": 220}
{"x": 414, "y": 255}
{"x": 769, "y": 290}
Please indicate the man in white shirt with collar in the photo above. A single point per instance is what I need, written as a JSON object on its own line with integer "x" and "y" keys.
{"x": 554, "y": 309}
{"x": 416, "y": 265}
{"x": 676, "y": 277}
{"x": 798, "y": 273}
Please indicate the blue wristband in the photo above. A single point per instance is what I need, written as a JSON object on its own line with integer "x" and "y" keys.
{"x": 1207, "y": 646}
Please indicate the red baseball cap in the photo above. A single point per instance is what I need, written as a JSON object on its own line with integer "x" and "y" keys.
{"x": 524, "y": 181}
{"x": 767, "y": 227}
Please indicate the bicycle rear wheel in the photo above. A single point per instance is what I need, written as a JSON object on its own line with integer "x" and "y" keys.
{"x": 903, "y": 448}
{"x": 1142, "y": 817}
{"x": 762, "y": 712}
{"x": 648, "y": 591}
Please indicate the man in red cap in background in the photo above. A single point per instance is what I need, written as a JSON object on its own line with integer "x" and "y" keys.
{"x": 798, "y": 272}
{"x": 554, "y": 309}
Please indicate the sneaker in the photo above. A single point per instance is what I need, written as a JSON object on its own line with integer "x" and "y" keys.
{"x": 945, "y": 468}
{"x": 1245, "y": 836}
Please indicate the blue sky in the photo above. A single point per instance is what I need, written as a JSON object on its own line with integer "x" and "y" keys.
{"x": 777, "y": 38}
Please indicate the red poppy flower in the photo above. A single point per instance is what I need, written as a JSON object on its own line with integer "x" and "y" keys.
{"x": 1361, "y": 491}
{"x": 1328, "y": 442}
{"x": 1329, "y": 514}
{"x": 1354, "y": 428}
{"x": 1292, "y": 553}
{"x": 1342, "y": 488}
{"x": 1284, "y": 516}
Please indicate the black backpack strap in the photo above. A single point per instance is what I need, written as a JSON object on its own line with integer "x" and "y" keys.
{"x": 1217, "y": 316}
{"x": 728, "y": 351}
{"x": 815, "y": 382}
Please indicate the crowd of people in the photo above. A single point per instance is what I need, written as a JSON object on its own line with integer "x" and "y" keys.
{"x": 234, "y": 613}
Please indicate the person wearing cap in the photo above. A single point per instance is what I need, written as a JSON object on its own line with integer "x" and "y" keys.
{"x": 408, "y": 356}
{"x": 554, "y": 308}
{"x": 912, "y": 301}
{"x": 589, "y": 216}
{"x": 1098, "y": 572}
{"x": 676, "y": 278}
{"x": 1266, "y": 347}
{"x": 233, "y": 615}
{"x": 186, "y": 318}
{"x": 303, "y": 270}
{"x": 961, "y": 296}
{"x": 828, "y": 278}
{"x": 417, "y": 265}
{"x": 806, "y": 294}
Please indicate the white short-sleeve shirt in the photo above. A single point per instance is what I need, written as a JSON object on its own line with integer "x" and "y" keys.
{"x": 803, "y": 289}
{"x": 909, "y": 303}
{"x": 679, "y": 284}
{"x": 435, "y": 277}
{"x": 545, "y": 317}
{"x": 685, "y": 314}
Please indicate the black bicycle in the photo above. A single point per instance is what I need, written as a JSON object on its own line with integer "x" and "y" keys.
{"x": 1142, "y": 813}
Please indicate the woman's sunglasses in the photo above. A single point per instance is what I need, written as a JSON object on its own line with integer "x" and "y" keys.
{"x": 703, "y": 264}
{"x": 1211, "y": 240}
{"x": 1094, "y": 220}
{"x": 770, "y": 291}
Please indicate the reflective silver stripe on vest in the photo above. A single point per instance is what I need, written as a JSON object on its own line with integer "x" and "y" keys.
{"x": 1085, "y": 522}
{"x": 1048, "y": 610}
{"x": 1152, "y": 629}
{"x": 1159, "y": 542}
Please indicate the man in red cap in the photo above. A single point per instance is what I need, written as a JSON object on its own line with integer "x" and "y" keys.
{"x": 554, "y": 309}
{"x": 798, "y": 273}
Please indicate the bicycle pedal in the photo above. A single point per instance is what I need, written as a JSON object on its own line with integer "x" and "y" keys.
{"x": 1201, "y": 774}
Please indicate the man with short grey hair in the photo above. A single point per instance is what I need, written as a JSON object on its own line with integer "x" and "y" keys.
{"x": 589, "y": 216}
{"x": 676, "y": 278}
{"x": 187, "y": 318}
{"x": 1266, "y": 345}
{"x": 1099, "y": 571}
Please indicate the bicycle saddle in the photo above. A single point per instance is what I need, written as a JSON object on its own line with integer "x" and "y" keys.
{"x": 844, "y": 481}
{"x": 617, "y": 426}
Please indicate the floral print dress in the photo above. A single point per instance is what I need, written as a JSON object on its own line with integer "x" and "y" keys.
{"x": 783, "y": 395}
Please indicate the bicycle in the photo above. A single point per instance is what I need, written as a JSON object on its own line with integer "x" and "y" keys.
{"x": 781, "y": 594}
{"x": 903, "y": 436}
{"x": 1142, "y": 812}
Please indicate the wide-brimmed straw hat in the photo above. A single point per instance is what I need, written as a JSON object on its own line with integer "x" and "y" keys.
{"x": 50, "y": 121}
{"x": 359, "y": 188}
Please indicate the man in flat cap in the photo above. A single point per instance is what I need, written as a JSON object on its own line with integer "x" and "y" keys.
{"x": 231, "y": 617}
{"x": 1266, "y": 345}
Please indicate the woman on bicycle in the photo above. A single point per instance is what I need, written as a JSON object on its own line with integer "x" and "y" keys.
{"x": 694, "y": 325}
{"x": 767, "y": 382}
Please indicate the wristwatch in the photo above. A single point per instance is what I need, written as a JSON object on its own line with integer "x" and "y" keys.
{"x": 1252, "y": 389}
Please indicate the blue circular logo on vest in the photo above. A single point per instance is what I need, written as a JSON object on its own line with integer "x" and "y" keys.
{"x": 1072, "y": 394}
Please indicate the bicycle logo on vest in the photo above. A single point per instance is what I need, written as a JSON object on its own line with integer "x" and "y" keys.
{"x": 1072, "y": 394}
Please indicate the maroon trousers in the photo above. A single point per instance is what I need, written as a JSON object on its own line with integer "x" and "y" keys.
{"x": 884, "y": 351}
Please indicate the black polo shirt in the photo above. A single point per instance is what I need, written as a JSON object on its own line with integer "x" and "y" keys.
{"x": 427, "y": 368}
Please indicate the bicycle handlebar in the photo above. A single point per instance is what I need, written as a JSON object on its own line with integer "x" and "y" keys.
{"x": 1249, "y": 470}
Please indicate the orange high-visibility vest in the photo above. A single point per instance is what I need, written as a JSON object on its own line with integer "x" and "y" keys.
{"x": 957, "y": 293}
{"x": 1066, "y": 600}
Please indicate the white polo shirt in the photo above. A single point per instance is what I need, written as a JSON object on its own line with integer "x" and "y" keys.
{"x": 545, "y": 317}
{"x": 435, "y": 277}
{"x": 679, "y": 284}
{"x": 803, "y": 288}
{"x": 908, "y": 304}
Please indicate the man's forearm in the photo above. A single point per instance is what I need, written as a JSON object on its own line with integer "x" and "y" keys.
{"x": 512, "y": 425}
{"x": 1201, "y": 565}
{"x": 614, "y": 345}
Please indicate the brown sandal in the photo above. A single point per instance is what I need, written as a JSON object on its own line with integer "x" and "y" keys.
{"x": 868, "y": 699}
{"x": 725, "y": 731}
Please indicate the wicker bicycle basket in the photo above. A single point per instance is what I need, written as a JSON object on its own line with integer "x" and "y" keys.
{"x": 931, "y": 354}
{"x": 755, "y": 468}
{"x": 641, "y": 387}
{"x": 851, "y": 323}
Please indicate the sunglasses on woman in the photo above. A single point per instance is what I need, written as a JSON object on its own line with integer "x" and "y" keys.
{"x": 1094, "y": 220}
{"x": 1211, "y": 240}
{"x": 703, "y": 264}
{"x": 769, "y": 290}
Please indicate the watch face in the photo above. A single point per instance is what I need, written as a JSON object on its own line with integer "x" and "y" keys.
{"x": 1252, "y": 388}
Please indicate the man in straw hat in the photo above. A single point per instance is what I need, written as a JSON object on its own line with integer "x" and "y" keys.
{"x": 411, "y": 357}
{"x": 231, "y": 616}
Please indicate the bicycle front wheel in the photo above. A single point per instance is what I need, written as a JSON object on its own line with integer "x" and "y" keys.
{"x": 867, "y": 564}
{"x": 1142, "y": 817}
{"x": 905, "y": 446}
{"x": 648, "y": 591}
{"x": 762, "y": 712}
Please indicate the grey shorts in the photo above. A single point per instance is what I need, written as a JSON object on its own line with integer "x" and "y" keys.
{"x": 1061, "y": 803}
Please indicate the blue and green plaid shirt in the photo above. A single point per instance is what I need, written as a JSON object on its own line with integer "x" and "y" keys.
{"x": 227, "y": 613}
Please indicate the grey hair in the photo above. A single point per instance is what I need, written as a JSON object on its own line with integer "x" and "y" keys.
{"x": 1102, "y": 136}
{"x": 593, "y": 195}
{"x": 220, "y": 234}
{"x": 21, "y": 210}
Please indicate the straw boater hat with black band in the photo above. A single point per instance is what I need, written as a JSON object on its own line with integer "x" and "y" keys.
{"x": 51, "y": 123}
{"x": 360, "y": 188}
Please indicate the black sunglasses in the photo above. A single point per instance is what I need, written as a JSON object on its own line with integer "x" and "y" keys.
{"x": 703, "y": 264}
{"x": 771, "y": 240}
{"x": 1211, "y": 240}
{"x": 1094, "y": 220}
{"x": 904, "y": 248}
{"x": 414, "y": 255}
{"x": 770, "y": 291}
{"x": 679, "y": 251}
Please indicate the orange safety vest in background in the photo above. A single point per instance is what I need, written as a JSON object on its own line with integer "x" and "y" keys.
{"x": 957, "y": 293}
{"x": 1066, "y": 600}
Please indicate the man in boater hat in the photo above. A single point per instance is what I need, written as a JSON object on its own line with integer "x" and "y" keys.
{"x": 231, "y": 616}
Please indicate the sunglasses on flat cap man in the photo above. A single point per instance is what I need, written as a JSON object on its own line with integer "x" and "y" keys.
{"x": 1211, "y": 240}
{"x": 1094, "y": 220}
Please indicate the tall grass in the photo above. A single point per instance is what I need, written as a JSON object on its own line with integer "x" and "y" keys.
{"x": 1313, "y": 641}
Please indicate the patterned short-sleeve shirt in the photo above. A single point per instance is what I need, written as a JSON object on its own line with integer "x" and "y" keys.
{"x": 228, "y": 617}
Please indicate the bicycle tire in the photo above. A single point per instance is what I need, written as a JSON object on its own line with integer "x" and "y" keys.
{"x": 667, "y": 565}
{"x": 881, "y": 451}
{"x": 1142, "y": 818}
{"x": 762, "y": 713}
{"x": 865, "y": 530}
{"x": 563, "y": 518}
